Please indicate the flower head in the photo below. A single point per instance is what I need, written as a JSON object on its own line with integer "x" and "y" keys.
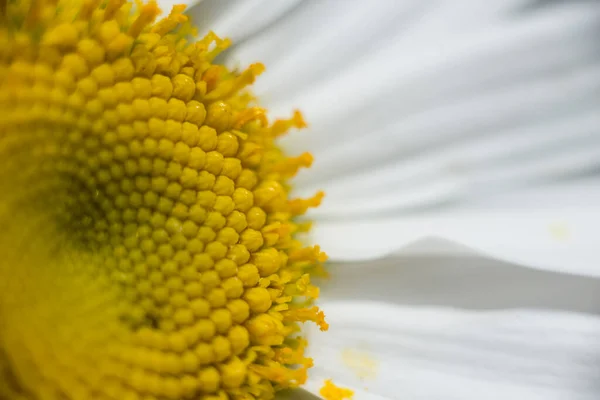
{"x": 148, "y": 237}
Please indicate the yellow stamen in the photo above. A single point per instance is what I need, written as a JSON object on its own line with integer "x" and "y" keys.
{"x": 300, "y": 206}
{"x": 311, "y": 254}
{"x": 282, "y": 126}
{"x": 111, "y": 8}
{"x": 169, "y": 23}
{"x": 230, "y": 86}
{"x": 147, "y": 15}
{"x": 254, "y": 113}
{"x": 304, "y": 287}
{"x": 313, "y": 314}
{"x": 290, "y": 166}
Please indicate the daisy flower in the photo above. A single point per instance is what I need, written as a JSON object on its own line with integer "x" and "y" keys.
{"x": 155, "y": 245}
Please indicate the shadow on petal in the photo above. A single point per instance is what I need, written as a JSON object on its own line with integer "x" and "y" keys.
{"x": 461, "y": 281}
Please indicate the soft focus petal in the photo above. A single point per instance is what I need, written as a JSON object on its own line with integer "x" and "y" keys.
{"x": 237, "y": 19}
{"x": 460, "y": 110}
{"x": 558, "y": 239}
{"x": 427, "y": 328}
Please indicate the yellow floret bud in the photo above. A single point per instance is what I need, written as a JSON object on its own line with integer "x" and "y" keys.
{"x": 265, "y": 330}
{"x": 209, "y": 380}
{"x": 64, "y": 35}
{"x": 258, "y": 299}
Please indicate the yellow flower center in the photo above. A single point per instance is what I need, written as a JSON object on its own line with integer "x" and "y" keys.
{"x": 147, "y": 236}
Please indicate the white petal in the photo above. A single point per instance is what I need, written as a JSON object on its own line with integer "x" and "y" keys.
{"x": 468, "y": 329}
{"x": 237, "y": 19}
{"x": 556, "y": 239}
{"x": 482, "y": 165}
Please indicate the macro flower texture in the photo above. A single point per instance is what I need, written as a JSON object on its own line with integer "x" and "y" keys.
{"x": 227, "y": 199}
{"x": 148, "y": 236}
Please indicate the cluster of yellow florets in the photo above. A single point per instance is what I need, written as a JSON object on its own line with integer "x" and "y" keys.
{"x": 147, "y": 234}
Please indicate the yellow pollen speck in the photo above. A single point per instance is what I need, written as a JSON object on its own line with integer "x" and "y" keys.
{"x": 329, "y": 391}
{"x": 148, "y": 234}
{"x": 360, "y": 362}
{"x": 559, "y": 231}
